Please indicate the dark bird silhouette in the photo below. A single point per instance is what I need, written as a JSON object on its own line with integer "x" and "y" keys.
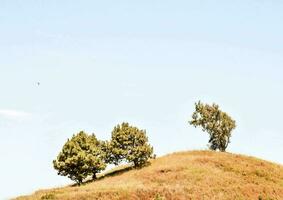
{"x": 38, "y": 83}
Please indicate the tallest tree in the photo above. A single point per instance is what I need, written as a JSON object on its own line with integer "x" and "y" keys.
{"x": 215, "y": 122}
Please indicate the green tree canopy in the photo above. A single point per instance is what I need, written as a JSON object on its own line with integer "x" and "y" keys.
{"x": 81, "y": 156}
{"x": 128, "y": 143}
{"x": 215, "y": 122}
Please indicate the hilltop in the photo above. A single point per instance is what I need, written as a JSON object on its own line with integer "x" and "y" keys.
{"x": 204, "y": 175}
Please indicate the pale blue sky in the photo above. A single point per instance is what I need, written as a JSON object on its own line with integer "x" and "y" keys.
{"x": 146, "y": 62}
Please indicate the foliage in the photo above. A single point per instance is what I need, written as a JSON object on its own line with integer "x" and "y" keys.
{"x": 128, "y": 143}
{"x": 218, "y": 124}
{"x": 81, "y": 156}
{"x": 158, "y": 197}
{"x": 48, "y": 196}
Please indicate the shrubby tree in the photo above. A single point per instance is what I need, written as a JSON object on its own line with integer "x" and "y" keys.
{"x": 215, "y": 122}
{"x": 128, "y": 143}
{"x": 81, "y": 156}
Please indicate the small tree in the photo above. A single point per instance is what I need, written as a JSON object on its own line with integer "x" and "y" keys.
{"x": 218, "y": 124}
{"x": 130, "y": 144}
{"x": 81, "y": 156}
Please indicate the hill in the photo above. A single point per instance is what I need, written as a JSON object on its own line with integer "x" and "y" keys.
{"x": 204, "y": 175}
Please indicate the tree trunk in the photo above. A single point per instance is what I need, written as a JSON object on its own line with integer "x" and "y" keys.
{"x": 79, "y": 182}
{"x": 94, "y": 176}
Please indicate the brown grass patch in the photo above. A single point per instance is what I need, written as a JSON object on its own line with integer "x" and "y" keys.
{"x": 203, "y": 175}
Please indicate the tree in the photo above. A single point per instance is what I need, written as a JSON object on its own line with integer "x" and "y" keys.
{"x": 218, "y": 124}
{"x": 128, "y": 143}
{"x": 81, "y": 156}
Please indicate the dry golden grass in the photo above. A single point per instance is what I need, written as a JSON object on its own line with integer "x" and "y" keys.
{"x": 197, "y": 175}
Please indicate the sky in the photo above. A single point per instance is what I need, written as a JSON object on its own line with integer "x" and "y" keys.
{"x": 100, "y": 63}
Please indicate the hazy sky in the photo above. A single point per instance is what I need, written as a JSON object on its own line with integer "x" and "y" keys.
{"x": 100, "y": 63}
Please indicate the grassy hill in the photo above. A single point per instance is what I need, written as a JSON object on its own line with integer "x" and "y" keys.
{"x": 203, "y": 175}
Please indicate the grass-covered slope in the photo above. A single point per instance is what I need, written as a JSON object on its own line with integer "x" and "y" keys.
{"x": 185, "y": 175}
